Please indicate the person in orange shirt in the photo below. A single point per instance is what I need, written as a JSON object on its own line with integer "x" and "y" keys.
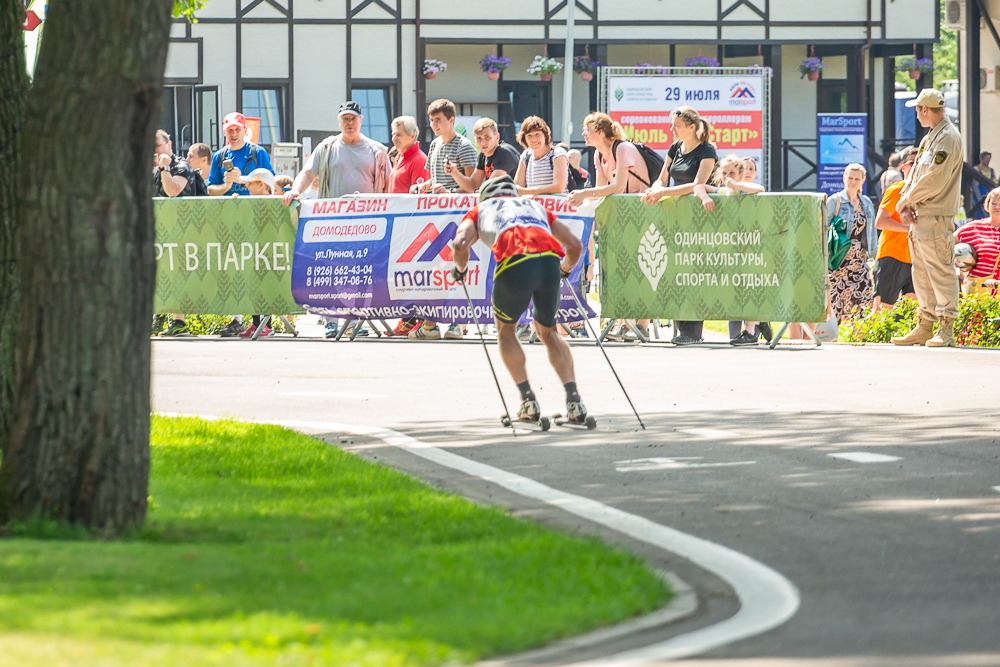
{"x": 892, "y": 263}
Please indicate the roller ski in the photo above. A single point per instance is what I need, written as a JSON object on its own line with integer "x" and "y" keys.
{"x": 529, "y": 416}
{"x": 576, "y": 417}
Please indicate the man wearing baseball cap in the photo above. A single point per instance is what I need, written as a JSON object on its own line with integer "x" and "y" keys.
{"x": 927, "y": 205}
{"x": 344, "y": 164}
{"x": 236, "y": 158}
{"x": 260, "y": 182}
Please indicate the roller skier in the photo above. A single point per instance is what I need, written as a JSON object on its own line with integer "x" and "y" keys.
{"x": 528, "y": 243}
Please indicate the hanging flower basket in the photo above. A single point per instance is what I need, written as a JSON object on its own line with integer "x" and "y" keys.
{"x": 701, "y": 61}
{"x": 434, "y": 67}
{"x": 586, "y": 67}
{"x": 646, "y": 68}
{"x": 811, "y": 67}
{"x": 494, "y": 65}
{"x": 915, "y": 67}
{"x": 544, "y": 67}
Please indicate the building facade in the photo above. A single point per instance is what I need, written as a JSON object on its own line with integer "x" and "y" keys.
{"x": 292, "y": 62}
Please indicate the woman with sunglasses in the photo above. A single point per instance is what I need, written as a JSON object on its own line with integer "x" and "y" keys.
{"x": 690, "y": 161}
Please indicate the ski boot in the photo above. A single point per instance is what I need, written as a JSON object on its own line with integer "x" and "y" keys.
{"x": 576, "y": 416}
{"x": 530, "y": 414}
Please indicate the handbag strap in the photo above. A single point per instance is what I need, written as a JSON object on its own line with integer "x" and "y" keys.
{"x": 836, "y": 212}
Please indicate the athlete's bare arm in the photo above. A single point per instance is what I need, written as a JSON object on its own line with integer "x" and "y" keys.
{"x": 466, "y": 235}
{"x": 570, "y": 241}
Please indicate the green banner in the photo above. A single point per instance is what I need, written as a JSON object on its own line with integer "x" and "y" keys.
{"x": 224, "y": 255}
{"x": 755, "y": 257}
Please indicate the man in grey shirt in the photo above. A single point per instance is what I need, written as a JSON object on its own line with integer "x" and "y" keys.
{"x": 347, "y": 163}
{"x": 344, "y": 164}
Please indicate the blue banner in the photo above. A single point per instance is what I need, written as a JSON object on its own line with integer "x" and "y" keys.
{"x": 389, "y": 256}
{"x": 841, "y": 139}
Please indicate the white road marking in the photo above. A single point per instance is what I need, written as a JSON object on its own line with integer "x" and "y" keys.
{"x": 331, "y": 394}
{"x": 865, "y": 457}
{"x": 675, "y": 463}
{"x": 709, "y": 432}
{"x": 767, "y": 599}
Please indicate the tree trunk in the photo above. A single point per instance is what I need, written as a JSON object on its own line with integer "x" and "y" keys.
{"x": 78, "y": 449}
{"x": 13, "y": 89}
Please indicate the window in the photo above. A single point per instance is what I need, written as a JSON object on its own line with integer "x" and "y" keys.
{"x": 268, "y": 104}
{"x": 377, "y": 109}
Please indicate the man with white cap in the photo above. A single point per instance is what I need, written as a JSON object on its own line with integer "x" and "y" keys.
{"x": 927, "y": 205}
{"x": 344, "y": 164}
{"x": 236, "y": 158}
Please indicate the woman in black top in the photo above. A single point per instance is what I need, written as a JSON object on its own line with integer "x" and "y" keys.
{"x": 690, "y": 161}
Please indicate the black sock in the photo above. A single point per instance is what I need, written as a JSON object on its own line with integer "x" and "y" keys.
{"x": 572, "y": 395}
{"x": 526, "y": 393}
{"x": 256, "y": 320}
{"x": 178, "y": 321}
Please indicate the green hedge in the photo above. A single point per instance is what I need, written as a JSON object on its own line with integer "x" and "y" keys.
{"x": 972, "y": 329}
{"x": 211, "y": 325}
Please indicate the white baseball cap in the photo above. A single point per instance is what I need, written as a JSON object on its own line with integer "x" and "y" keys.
{"x": 260, "y": 174}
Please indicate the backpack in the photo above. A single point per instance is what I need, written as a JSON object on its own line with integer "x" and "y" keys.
{"x": 654, "y": 163}
{"x": 572, "y": 180}
{"x": 838, "y": 240}
{"x": 200, "y": 189}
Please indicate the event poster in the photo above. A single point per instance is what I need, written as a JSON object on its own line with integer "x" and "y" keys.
{"x": 732, "y": 105}
{"x": 841, "y": 140}
{"x": 390, "y": 256}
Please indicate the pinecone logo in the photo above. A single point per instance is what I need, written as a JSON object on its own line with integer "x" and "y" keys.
{"x": 653, "y": 257}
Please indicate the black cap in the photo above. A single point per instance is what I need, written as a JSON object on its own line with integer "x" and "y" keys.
{"x": 350, "y": 107}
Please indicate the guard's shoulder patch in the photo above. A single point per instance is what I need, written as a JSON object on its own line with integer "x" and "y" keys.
{"x": 940, "y": 157}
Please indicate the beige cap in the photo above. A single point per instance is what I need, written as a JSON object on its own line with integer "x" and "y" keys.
{"x": 928, "y": 97}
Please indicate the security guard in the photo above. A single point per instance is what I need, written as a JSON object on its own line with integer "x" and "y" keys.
{"x": 928, "y": 205}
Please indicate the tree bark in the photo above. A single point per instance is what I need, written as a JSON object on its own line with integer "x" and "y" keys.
{"x": 78, "y": 449}
{"x": 13, "y": 89}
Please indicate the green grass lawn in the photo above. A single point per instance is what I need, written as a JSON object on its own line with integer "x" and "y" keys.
{"x": 264, "y": 546}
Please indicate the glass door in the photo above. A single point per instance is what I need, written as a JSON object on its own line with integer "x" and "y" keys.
{"x": 206, "y": 116}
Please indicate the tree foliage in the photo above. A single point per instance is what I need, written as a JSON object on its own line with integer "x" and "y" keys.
{"x": 945, "y": 58}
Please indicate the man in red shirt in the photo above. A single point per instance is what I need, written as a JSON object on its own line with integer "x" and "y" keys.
{"x": 527, "y": 242}
{"x": 411, "y": 163}
{"x": 409, "y": 169}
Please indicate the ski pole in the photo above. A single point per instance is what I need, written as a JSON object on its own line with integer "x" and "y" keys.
{"x": 583, "y": 311}
{"x": 472, "y": 310}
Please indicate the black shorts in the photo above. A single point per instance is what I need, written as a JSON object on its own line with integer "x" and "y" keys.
{"x": 892, "y": 278}
{"x": 521, "y": 278}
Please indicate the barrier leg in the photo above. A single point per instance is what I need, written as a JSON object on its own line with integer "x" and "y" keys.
{"x": 264, "y": 321}
{"x": 604, "y": 333}
{"x": 777, "y": 336}
{"x": 288, "y": 324}
{"x": 643, "y": 338}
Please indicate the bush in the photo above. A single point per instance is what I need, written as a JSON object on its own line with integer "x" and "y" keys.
{"x": 880, "y": 327}
{"x": 973, "y": 328}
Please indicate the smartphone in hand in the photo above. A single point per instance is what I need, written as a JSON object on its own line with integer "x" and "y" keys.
{"x": 227, "y": 165}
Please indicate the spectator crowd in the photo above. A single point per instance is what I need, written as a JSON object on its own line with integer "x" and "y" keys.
{"x": 902, "y": 247}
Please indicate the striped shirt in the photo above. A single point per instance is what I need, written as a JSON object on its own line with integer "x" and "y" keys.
{"x": 985, "y": 239}
{"x": 538, "y": 173}
{"x": 459, "y": 151}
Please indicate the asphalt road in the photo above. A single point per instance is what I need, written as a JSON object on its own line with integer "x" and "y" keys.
{"x": 897, "y": 561}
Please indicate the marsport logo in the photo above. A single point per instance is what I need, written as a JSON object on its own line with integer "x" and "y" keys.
{"x": 653, "y": 256}
{"x": 619, "y": 93}
{"x": 742, "y": 93}
{"x": 421, "y": 262}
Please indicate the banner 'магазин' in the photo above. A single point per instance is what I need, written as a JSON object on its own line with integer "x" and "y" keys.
{"x": 390, "y": 256}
